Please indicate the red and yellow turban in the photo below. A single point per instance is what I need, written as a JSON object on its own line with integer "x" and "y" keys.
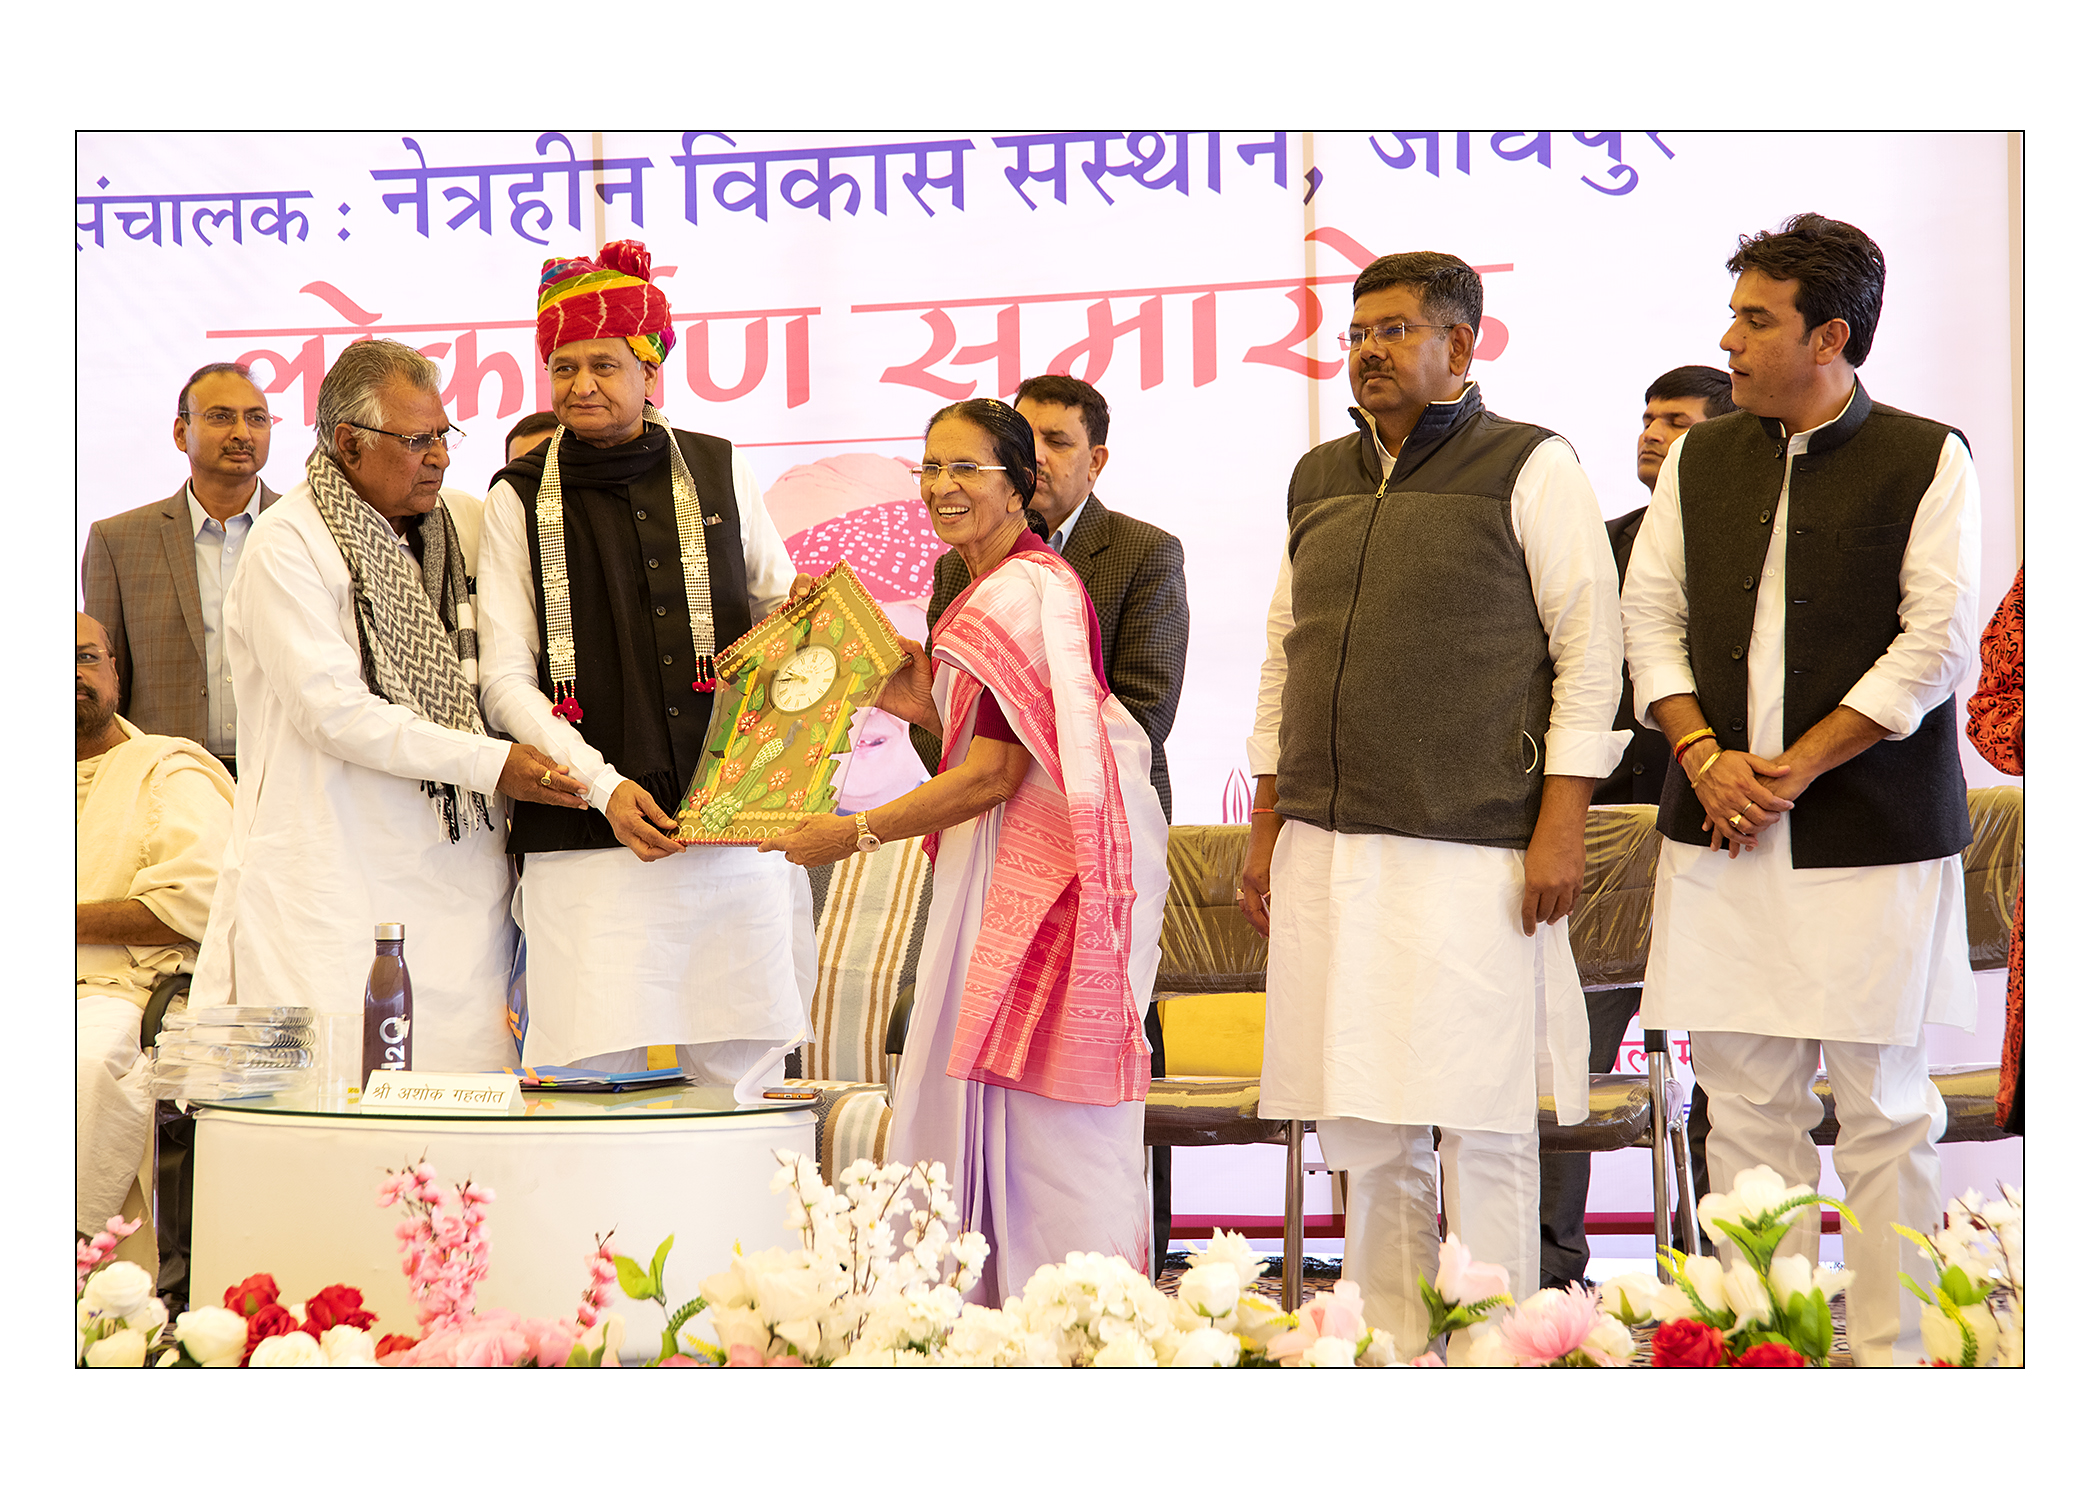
{"x": 606, "y": 298}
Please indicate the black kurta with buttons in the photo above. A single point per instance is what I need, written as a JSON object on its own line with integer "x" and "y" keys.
{"x": 1852, "y": 498}
{"x": 636, "y": 667}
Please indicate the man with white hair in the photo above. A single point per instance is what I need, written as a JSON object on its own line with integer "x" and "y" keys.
{"x": 370, "y": 791}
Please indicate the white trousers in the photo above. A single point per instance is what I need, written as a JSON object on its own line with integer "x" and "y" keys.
{"x": 1491, "y": 1205}
{"x": 1761, "y": 1100}
{"x": 113, "y": 1118}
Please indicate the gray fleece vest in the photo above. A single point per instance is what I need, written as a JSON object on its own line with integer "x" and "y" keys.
{"x": 1418, "y": 684}
{"x": 1855, "y": 492}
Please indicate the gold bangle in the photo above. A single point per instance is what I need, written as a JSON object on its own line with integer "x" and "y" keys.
{"x": 1705, "y": 766}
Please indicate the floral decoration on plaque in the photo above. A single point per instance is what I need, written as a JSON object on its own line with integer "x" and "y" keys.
{"x": 784, "y": 703}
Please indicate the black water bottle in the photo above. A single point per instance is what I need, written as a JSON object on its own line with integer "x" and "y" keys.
{"x": 389, "y": 1006}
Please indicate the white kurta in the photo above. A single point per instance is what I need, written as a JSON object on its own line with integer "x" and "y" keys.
{"x": 332, "y": 830}
{"x": 1751, "y": 944}
{"x": 710, "y": 944}
{"x": 1402, "y": 988}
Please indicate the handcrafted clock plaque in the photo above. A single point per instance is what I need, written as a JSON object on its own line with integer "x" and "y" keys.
{"x": 784, "y": 703}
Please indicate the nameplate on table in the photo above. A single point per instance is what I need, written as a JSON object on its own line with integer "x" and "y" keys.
{"x": 443, "y": 1093}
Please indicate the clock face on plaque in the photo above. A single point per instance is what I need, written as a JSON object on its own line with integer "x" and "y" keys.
{"x": 804, "y": 678}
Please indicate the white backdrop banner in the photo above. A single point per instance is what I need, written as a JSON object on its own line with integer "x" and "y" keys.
{"x": 830, "y": 291}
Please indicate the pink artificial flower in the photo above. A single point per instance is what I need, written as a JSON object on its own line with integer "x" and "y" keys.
{"x": 1426, "y": 1360}
{"x": 678, "y": 1361}
{"x": 744, "y": 1357}
{"x": 1549, "y": 1325}
{"x": 1338, "y": 1314}
{"x": 1461, "y": 1281}
{"x": 548, "y": 1341}
{"x": 785, "y": 1362}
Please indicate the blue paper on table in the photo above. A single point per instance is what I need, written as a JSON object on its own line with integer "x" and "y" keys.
{"x": 592, "y": 1080}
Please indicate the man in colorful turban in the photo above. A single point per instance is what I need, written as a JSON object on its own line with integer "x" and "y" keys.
{"x": 616, "y": 559}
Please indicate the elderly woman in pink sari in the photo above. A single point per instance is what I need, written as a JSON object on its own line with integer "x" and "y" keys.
{"x": 1026, "y": 1065}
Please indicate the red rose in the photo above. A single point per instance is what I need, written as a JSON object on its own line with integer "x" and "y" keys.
{"x": 1771, "y": 1355}
{"x": 267, "y": 1323}
{"x": 252, "y": 1295}
{"x": 1682, "y": 1344}
{"x": 336, "y": 1304}
{"x": 394, "y": 1343}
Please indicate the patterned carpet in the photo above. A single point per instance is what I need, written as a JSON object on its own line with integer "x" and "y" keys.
{"x": 1321, "y": 1273}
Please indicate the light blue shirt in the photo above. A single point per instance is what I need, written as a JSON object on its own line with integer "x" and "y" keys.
{"x": 1063, "y": 534}
{"x": 218, "y": 553}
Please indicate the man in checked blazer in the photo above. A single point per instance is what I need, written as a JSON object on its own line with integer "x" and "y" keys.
{"x": 1131, "y": 568}
{"x": 156, "y": 576}
{"x": 1133, "y": 572}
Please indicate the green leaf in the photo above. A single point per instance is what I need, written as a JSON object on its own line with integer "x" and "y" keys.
{"x": 775, "y": 802}
{"x": 862, "y": 666}
{"x": 758, "y": 696}
{"x": 1961, "y": 1288}
{"x": 656, "y": 1263}
{"x": 737, "y": 747}
{"x": 1917, "y": 1291}
{"x": 634, "y": 1281}
{"x": 837, "y": 632}
{"x": 686, "y": 1313}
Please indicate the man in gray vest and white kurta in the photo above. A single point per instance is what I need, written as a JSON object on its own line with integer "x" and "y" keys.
{"x": 1801, "y": 604}
{"x": 616, "y": 560}
{"x": 1437, "y": 702}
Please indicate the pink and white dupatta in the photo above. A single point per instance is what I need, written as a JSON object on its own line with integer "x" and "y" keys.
{"x": 1046, "y": 1004}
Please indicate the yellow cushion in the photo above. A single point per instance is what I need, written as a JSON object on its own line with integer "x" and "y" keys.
{"x": 1213, "y": 1036}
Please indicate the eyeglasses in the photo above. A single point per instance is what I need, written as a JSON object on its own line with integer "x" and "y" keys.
{"x": 88, "y": 656}
{"x": 220, "y": 417}
{"x": 962, "y": 472}
{"x": 1385, "y": 334}
{"x": 447, "y": 438}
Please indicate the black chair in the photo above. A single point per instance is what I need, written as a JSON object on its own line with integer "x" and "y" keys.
{"x": 174, "y": 1160}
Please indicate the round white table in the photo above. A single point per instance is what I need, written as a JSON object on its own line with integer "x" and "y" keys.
{"x": 288, "y": 1187}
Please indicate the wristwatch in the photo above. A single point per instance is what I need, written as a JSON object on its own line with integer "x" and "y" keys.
{"x": 867, "y": 843}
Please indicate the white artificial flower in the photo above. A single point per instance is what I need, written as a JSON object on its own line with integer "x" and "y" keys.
{"x": 1125, "y": 1349}
{"x": 1378, "y": 1352}
{"x": 1746, "y": 1294}
{"x": 727, "y": 1288}
{"x": 344, "y": 1347}
{"x": 1259, "y": 1321}
{"x": 1629, "y": 1297}
{"x": 2012, "y": 1340}
{"x": 150, "y": 1319}
{"x": 1942, "y": 1334}
{"x": 1207, "y": 1348}
{"x": 1212, "y": 1289}
{"x": 1231, "y": 1249}
{"x": 1485, "y": 1350}
{"x": 1609, "y": 1343}
{"x": 739, "y": 1325}
{"x": 215, "y": 1337}
{"x": 1830, "y": 1280}
{"x": 1670, "y": 1303}
{"x": 1705, "y": 1278}
{"x": 1331, "y": 1354}
{"x": 288, "y": 1351}
{"x": 1760, "y": 1190}
{"x": 123, "y": 1350}
{"x": 1792, "y": 1276}
{"x": 118, "y": 1290}
{"x": 1716, "y": 1209}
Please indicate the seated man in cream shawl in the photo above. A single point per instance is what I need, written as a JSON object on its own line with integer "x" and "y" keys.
{"x": 153, "y": 813}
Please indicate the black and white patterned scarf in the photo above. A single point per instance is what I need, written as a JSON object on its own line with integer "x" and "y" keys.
{"x": 415, "y": 637}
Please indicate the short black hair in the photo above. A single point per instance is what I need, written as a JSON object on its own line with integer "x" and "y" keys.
{"x": 539, "y": 421}
{"x": 1012, "y": 438}
{"x": 1687, "y": 381}
{"x": 1449, "y": 288}
{"x": 1840, "y": 270}
{"x": 217, "y": 367}
{"x": 1069, "y": 390}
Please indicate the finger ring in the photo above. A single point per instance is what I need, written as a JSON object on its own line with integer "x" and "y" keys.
{"x": 1749, "y": 807}
{"x": 1734, "y": 818}
{"x": 1238, "y": 894}
{"x": 546, "y": 778}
